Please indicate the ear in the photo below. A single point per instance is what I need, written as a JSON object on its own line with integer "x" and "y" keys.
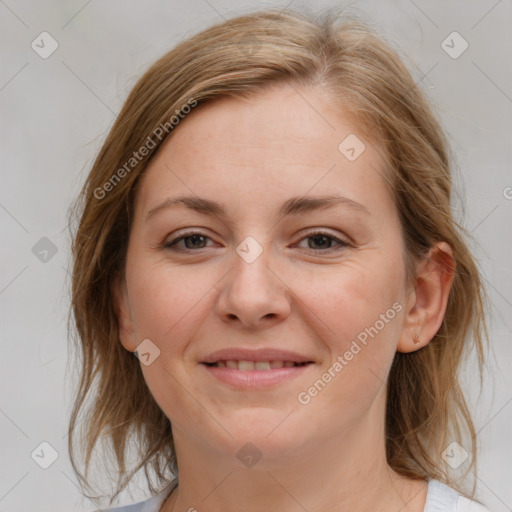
{"x": 123, "y": 313}
{"x": 426, "y": 304}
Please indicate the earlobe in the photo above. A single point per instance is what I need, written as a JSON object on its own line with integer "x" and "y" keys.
{"x": 429, "y": 298}
{"x": 123, "y": 313}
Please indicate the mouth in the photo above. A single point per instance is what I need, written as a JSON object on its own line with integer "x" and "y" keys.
{"x": 264, "y": 369}
{"x": 247, "y": 366}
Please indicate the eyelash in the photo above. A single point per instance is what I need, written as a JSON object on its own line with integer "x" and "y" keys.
{"x": 341, "y": 243}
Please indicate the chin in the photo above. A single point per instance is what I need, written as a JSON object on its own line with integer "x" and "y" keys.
{"x": 270, "y": 431}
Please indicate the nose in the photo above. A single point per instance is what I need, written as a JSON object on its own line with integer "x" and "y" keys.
{"x": 253, "y": 295}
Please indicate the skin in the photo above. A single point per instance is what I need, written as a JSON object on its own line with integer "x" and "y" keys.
{"x": 308, "y": 295}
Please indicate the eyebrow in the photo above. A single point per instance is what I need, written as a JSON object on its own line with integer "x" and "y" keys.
{"x": 294, "y": 205}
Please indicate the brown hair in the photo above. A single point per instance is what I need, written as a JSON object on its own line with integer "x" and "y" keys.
{"x": 426, "y": 409}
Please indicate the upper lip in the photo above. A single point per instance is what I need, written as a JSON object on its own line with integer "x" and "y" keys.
{"x": 262, "y": 354}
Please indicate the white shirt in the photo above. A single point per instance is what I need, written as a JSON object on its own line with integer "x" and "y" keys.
{"x": 440, "y": 498}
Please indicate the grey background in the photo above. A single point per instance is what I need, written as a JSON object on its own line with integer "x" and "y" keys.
{"x": 55, "y": 113}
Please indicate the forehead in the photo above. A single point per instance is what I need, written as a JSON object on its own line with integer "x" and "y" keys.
{"x": 291, "y": 119}
{"x": 283, "y": 139}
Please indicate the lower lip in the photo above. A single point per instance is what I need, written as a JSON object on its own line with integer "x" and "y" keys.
{"x": 256, "y": 379}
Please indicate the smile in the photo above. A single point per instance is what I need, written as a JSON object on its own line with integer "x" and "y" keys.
{"x": 246, "y": 366}
{"x": 246, "y": 375}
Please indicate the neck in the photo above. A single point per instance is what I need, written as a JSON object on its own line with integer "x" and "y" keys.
{"x": 347, "y": 472}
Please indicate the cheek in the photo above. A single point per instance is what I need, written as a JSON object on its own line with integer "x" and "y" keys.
{"x": 352, "y": 297}
{"x": 360, "y": 313}
{"x": 169, "y": 303}
{"x": 169, "y": 306}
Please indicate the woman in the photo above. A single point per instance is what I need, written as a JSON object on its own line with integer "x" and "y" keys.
{"x": 286, "y": 270}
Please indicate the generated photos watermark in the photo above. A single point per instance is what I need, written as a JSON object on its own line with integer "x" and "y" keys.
{"x": 305, "y": 396}
{"x": 160, "y": 132}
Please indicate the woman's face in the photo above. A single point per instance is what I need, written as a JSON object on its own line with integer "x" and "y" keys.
{"x": 238, "y": 266}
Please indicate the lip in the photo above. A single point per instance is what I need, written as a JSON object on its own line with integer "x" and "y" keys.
{"x": 262, "y": 354}
{"x": 255, "y": 379}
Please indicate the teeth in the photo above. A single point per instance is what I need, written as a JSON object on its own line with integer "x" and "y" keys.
{"x": 246, "y": 366}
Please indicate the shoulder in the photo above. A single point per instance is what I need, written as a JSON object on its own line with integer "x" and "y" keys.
{"x": 152, "y": 504}
{"x": 467, "y": 505}
{"x": 442, "y": 498}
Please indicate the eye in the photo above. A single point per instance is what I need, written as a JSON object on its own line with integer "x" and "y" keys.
{"x": 323, "y": 242}
{"x": 318, "y": 241}
{"x": 191, "y": 240}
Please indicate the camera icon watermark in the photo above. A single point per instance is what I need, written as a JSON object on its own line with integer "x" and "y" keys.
{"x": 249, "y": 44}
{"x": 44, "y": 455}
{"x": 454, "y": 45}
{"x": 44, "y": 250}
{"x": 249, "y": 455}
{"x": 351, "y": 147}
{"x": 454, "y": 455}
{"x": 146, "y": 352}
{"x": 44, "y": 45}
{"x": 249, "y": 249}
